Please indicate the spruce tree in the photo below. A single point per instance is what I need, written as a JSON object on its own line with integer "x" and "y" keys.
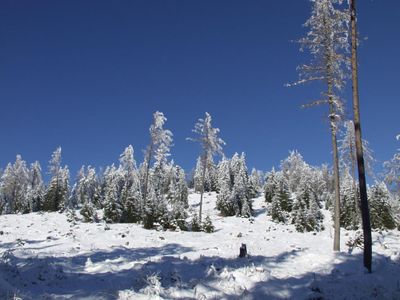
{"x": 211, "y": 144}
{"x": 57, "y": 192}
{"x": 327, "y": 42}
{"x": 381, "y": 211}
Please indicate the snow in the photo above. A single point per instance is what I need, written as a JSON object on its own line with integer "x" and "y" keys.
{"x": 43, "y": 256}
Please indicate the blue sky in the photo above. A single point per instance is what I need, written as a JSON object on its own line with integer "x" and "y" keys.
{"x": 87, "y": 75}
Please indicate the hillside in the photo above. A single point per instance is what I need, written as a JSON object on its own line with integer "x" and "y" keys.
{"x": 43, "y": 256}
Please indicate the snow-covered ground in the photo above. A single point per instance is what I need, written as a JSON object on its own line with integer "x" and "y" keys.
{"x": 43, "y": 256}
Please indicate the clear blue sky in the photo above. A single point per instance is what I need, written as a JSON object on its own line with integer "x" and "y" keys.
{"x": 87, "y": 75}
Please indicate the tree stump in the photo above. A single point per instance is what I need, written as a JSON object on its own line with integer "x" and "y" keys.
{"x": 243, "y": 251}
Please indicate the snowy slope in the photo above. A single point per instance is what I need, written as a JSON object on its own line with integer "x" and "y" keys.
{"x": 45, "y": 257}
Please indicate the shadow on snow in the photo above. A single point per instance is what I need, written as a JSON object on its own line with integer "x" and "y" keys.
{"x": 101, "y": 274}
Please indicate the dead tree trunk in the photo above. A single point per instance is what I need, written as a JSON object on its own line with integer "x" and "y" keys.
{"x": 336, "y": 238}
{"x": 203, "y": 179}
{"x": 359, "y": 148}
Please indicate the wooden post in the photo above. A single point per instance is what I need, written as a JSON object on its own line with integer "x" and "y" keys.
{"x": 243, "y": 251}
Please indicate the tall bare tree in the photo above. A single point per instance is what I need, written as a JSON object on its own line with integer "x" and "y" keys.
{"x": 366, "y": 224}
{"x": 327, "y": 42}
{"x": 211, "y": 144}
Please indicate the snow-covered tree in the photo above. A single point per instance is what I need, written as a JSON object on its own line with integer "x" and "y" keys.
{"x": 211, "y": 144}
{"x": 294, "y": 168}
{"x": 234, "y": 188}
{"x": 240, "y": 186}
{"x": 155, "y": 210}
{"x": 226, "y": 204}
{"x": 13, "y": 187}
{"x": 76, "y": 197}
{"x": 130, "y": 196}
{"x": 177, "y": 190}
{"x": 380, "y": 209}
{"x": 159, "y": 147}
{"x": 306, "y": 213}
{"x": 270, "y": 185}
{"x": 113, "y": 208}
{"x": 350, "y": 216}
{"x": 207, "y": 225}
{"x": 347, "y": 151}
{"x": 209, "y": 177}
{"x": 254, "y": 183}
{"x": 35, "y": 191}
{"x": 89, "y": 193}
{"x": 348, "y": 164}
{"x": 327, "y": 42}
{"x": 57, "y": 192}
{"x": 281, "y": 198}
{"x": 392, "y": 171}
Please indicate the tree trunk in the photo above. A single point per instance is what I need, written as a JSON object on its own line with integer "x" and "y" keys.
{"x": 359, "y": 149}
{"x": 329, "y": 60}
{"x": 353, "y": 175}
{"x": 146, "y": 176}
{"x": 203, "y": 177}
{"x": 336, "y": 238}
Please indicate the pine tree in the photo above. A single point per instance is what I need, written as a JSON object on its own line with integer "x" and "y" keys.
{"x": 240, "y": 187}
{"x": 113, "y": 208}
{"x": 211, "y": 144}
{"x": 208, "y": 226}
{"x": 294, "y": 168}
{"x": 195, "y": 224}
{"x": 392, "y": 171}
{"x": 181, "y": 187}
{"x": 327, "y": 42}
{"x": 208, "y": 177}
{"x": 35, "y": 191}
{"x": 281, "y": 202}
{"x": 56, "y": 195}
{"x": 225, "y": 202}
{"x": 130, "y": 196}
{"x": 160, "y": 143}
{"x": 306, "y": 213}
{"x": 254, "y": 184}
{"x": 380, "y": 209}
{"x": 270, "y": 186}
{"x": 349, "y": 212}
{"x": 347, "y": 150}
{"x": 14, "y": 186}
{"x": 178, "y": 219}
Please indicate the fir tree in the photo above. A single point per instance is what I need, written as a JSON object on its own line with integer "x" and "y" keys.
{"x": 195, "y": 223}
{"x": 270, "y": 186}
{"x": 211, "y": 144}
{"x": 35, "y": 192}
{"x": 281, "y": 203}
{"x": 327, "y": 41}
{"x": 254, "y": 184}
{"x": 392, "y": 171}
{"x": 13, "y": 187}
{"x": 159, "y": 146}
{"x": 226, "y": 203}
{"x": 306, "y": 213}
{"x": 207, "y": 225}
{"x": 56, "y": 195}
{"x": 113, "y": 208}
{"x": 380, "y": 209}
{"x": 349, "y": 212}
